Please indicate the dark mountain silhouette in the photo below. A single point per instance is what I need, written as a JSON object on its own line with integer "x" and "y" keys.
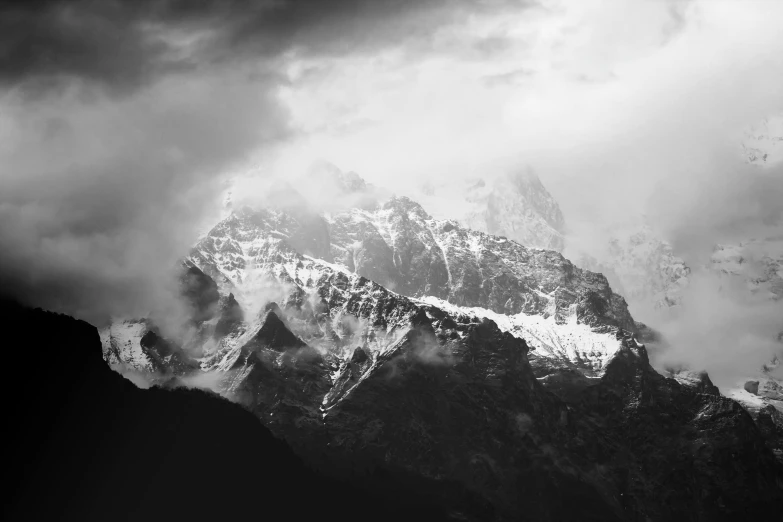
{"x": 83, "y": 443}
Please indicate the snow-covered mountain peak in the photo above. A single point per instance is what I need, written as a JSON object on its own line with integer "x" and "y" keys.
{"x": 403, "y": 205}
{"x": 384, "y": 335}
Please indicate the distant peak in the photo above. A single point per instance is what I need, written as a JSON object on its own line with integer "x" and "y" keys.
{"x": 348, "y": 182}
{"x": 406, "y": 204}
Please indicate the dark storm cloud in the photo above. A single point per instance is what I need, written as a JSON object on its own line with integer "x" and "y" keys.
{"x": 120, "y": 119}
{"x": 125, "y": 43}
{"x": 101, "y": 197}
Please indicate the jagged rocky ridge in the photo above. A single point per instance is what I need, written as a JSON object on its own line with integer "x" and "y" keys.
{"x": 539, "y": 400}
{"x": 401, "y": 247}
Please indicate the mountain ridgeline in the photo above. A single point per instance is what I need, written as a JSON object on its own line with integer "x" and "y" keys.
{"x": 509, "y": 381}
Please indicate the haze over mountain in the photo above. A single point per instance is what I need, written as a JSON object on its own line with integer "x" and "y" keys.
{"x": 487, "y": 245}
{"x": 486, "y": 342}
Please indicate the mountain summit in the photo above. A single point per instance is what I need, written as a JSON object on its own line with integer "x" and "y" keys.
{"x": 511, "y": 379}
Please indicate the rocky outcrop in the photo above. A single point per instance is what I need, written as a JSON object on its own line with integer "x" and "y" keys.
{"x": 364, "y": 375}
{"x": 507, "y": 377}
{"x": 231, "y": 316}
{"x": 698, "y": 435}
{"x": 199, "y": 292}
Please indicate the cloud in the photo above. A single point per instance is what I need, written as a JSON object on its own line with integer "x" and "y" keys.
{"x": 126, "y": 43}
{"x": 654, "y": 134}
{"x": 507, "y": 78}
{"x": 213, "y": 381}
{"x": 661, "y": 98}
{"x": 723, "y": 328}
{"x": 120, "y": 120}
{"x": 100, "y": 197}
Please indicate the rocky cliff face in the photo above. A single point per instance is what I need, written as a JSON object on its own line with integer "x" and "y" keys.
{"x": 402, "y": 248}
{"x": 507, "y": 375}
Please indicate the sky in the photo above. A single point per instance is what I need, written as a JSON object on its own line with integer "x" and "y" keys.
{"x": 608, "y": 100}
{"x": 120, "y": 121}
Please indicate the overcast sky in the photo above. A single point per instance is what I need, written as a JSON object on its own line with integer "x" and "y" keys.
{"x": 119, "y": 121}
{"x": 606, "y": 99}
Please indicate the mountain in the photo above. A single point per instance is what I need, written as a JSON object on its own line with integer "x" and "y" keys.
{"x": 643, "y": 268}
{"x": 514, "y": 204}
{"x": 508, "y": 378}
{"x": 83, "y": 443}
{"x": 650, "y": 276}
{"x": 403, "y": 248}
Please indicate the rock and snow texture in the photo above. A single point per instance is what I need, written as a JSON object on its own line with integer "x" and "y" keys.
{"x": 350, "y": 370}
{"x": 570, "y": 343}
{"x": 505, "y": 370}
{"x": 399, "y": 246}
{"x": 335, "y": 270}
{"x": 122, "y": 345}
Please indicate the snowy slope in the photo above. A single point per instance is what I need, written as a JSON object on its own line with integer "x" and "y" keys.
{"x": 485, "y": 354}
{"x": 121, "y": 345}
{"x": 402, "y": 247}
{"x": 575, "y": 345}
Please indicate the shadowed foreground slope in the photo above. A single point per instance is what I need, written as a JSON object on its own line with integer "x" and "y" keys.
{"x": 83, "y": 443}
